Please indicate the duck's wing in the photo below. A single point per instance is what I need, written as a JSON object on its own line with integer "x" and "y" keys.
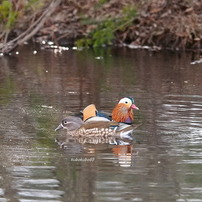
{"x": 97, "y": 119}
{"x": 99, "y": 128}
{"x": 105, "y": 124}
{"x": 125, "y": 130}
{"x": 89, "y": 111}
{"x": 123, "y": 126}
{"x": 104, "y": 115}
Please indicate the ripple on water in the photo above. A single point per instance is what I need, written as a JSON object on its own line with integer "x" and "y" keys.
{"x": 34, "y": 183}
{"x": 180, "y": 126}
{"x": 36, "y": 200}
{"x": 181, "y": 114}
{"x": 38, "y": 193}
{"x": 2, "y": 193}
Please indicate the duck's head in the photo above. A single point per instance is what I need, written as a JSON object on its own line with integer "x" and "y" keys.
{"x": 123, "y": 111}
{"x": 70, "y": 123}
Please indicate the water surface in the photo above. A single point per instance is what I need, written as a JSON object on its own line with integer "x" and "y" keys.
{"x": 164, "y": 161}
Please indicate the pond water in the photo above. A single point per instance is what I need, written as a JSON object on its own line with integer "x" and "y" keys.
{"x": 39, "y": 87}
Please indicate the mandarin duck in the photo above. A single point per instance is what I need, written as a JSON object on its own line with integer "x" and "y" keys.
{"x": 123, "y": 111}
{"x": 94, "y": 125}
{"x": 90, "y": 113}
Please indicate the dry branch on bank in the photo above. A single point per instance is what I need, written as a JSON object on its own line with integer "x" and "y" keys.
{"x": 31, "y": 30}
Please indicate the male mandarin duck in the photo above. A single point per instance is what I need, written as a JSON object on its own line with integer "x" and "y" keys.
{"x": 123, "y": 111}
{"x": 97, "y": 124}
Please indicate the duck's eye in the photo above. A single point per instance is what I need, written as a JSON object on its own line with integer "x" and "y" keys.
{"x": 126, "y": 101}
{"x": 65, "y": 122}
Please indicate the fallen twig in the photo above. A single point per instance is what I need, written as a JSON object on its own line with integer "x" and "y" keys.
{"x": 32, "y": 30}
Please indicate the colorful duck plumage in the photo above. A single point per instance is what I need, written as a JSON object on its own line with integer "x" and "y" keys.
{"x": 89, "y": 114}
{"x": 100, "y": 125}
{"x": 91, "y": 111}
{"x": 123, "y": 111}
{"x": 101, "y": 129}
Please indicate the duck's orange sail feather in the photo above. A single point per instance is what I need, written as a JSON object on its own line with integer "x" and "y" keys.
{"x": 89, "y": 111}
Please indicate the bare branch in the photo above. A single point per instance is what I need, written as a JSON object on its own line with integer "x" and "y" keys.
{"x": 32, "y": 30}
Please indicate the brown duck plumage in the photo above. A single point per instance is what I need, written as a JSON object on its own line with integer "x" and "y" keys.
{"x": 95, "y": 126}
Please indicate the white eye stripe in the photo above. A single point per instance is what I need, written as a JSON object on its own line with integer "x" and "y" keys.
{"x": 125, "y": 100}
{"x": 66, "y": 122}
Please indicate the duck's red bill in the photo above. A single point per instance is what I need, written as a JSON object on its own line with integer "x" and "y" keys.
{"x": 134, "y": 107}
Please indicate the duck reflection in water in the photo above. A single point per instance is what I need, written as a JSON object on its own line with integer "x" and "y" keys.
{"x": 124, "y": 154}
{"x": 96, "y": 127}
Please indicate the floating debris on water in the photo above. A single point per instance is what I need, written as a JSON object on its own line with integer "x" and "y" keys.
{"x": 50, "y": 43}
{"x": 46, "y": 106}
{"x": 99, "y": 58}
{"x": 133, "y": 46}
{"x": 196, "y": 62}
{"x": 57, "y": 49}
{"x": 72, "y": 92}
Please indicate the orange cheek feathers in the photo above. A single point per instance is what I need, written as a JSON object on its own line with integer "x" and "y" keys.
{"x": 121, "y": 113}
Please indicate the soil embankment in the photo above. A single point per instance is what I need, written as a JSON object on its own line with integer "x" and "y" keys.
{"x": 174, "y": 24}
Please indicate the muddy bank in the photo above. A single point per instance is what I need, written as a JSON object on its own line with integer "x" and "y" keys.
{"x": 174, "y": 24}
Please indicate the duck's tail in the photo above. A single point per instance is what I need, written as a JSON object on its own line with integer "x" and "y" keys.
{"x": 125, "y": 130}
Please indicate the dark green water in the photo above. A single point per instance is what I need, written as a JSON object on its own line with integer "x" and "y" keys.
{"x": 164, "y": 162}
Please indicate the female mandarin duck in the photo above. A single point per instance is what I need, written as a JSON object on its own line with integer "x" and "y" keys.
{"x": 96, "y": 124}
{"x": 89, "y": 114}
